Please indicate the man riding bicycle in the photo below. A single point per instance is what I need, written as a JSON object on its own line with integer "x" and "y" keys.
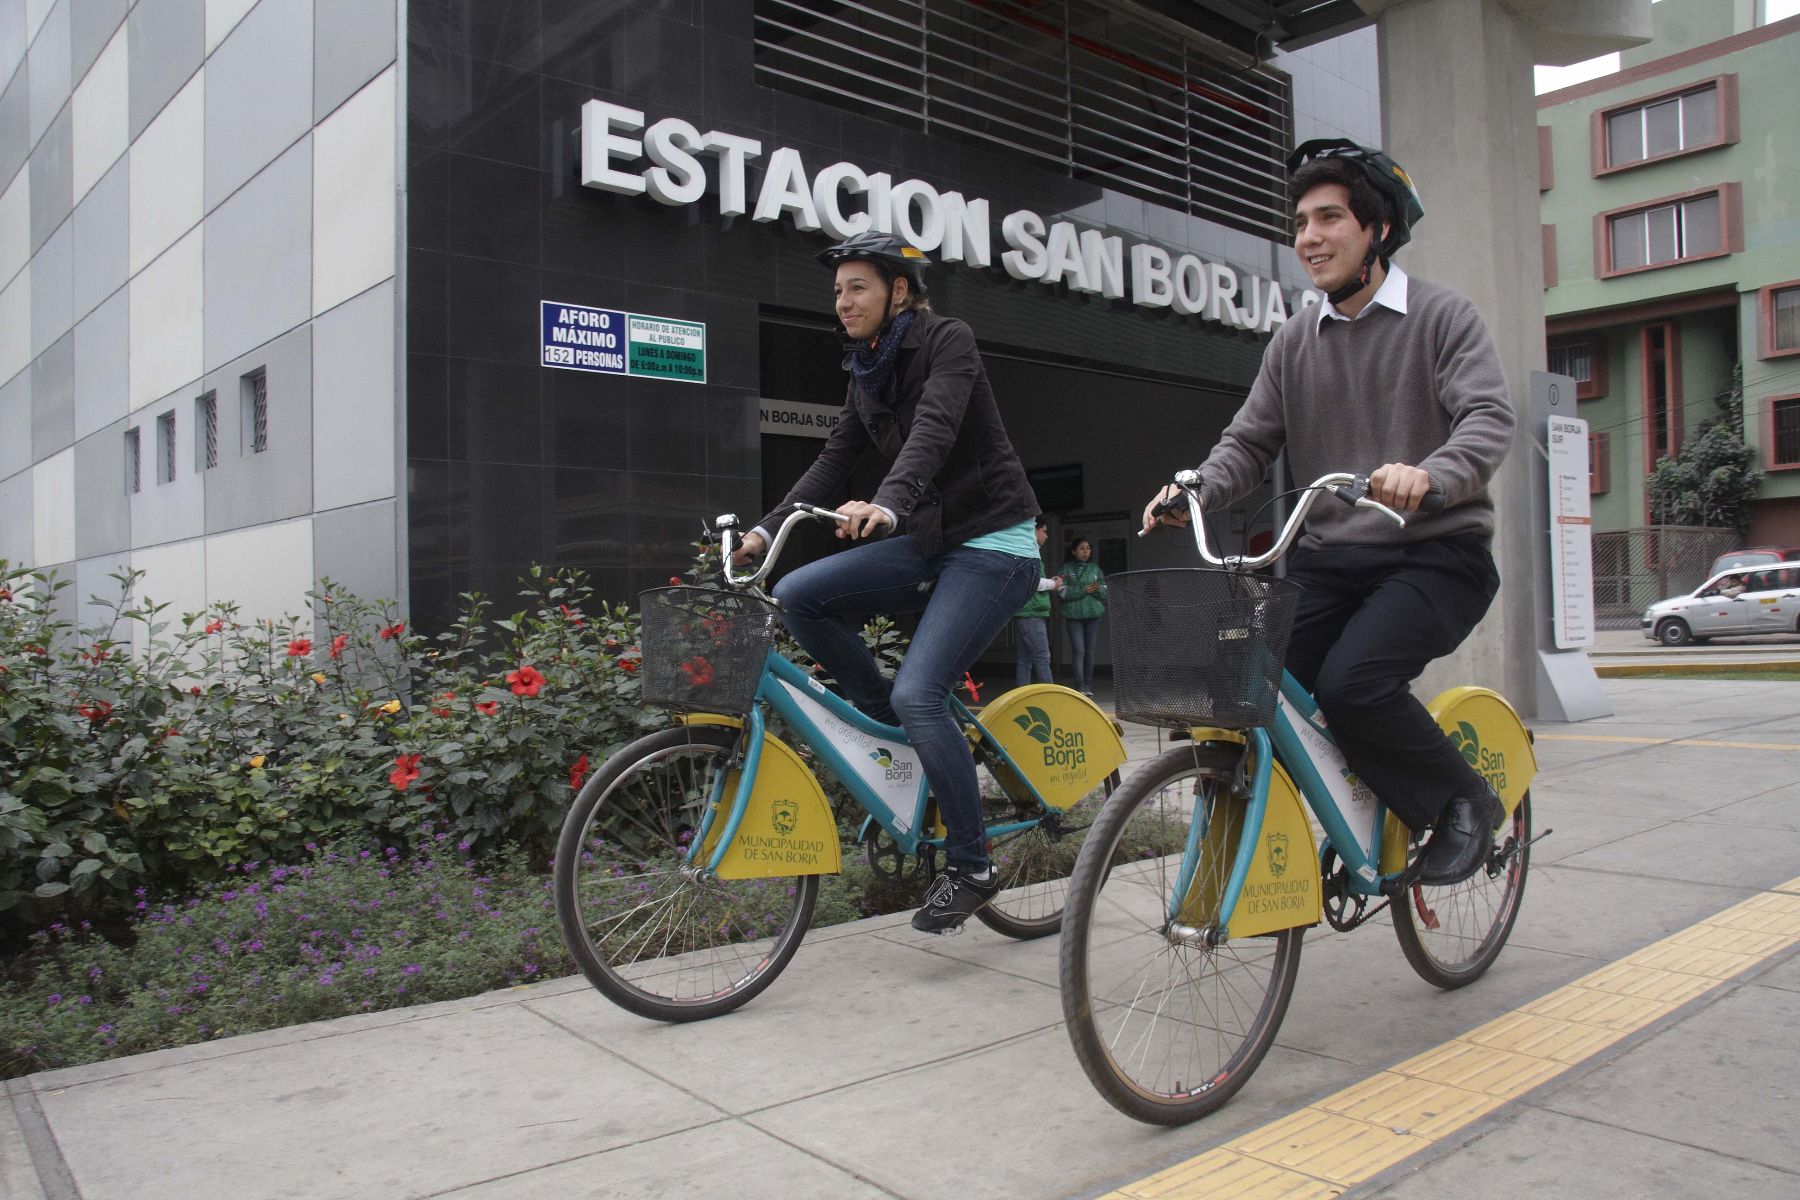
{"x": 1396, "y": 376}
{"x": 968, "y": 560}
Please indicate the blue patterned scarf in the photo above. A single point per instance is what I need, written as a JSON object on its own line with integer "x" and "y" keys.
{"x": 874, "y": 368}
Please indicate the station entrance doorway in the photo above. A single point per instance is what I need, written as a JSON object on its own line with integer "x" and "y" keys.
{"x": 1097, "y": 441}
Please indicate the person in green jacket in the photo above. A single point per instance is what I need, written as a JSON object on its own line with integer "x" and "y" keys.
{"x": 1031, "y": 625}
{"x": 1084, "y": 602}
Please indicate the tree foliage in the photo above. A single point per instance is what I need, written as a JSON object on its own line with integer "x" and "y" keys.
{"x": 1710, "y": 481}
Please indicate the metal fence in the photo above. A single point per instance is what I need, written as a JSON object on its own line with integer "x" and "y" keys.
{"x": 1634, "y": 568}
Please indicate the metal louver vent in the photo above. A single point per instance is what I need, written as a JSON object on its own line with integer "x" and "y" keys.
{"x": 1084, "y": 89}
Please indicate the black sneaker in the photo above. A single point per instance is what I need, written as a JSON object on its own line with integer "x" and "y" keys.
{"x": 952, "y": 898}
{"x": 1461, "y": 839}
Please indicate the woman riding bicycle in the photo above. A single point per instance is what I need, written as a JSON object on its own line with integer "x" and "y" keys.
{"x": 955, "y": 489}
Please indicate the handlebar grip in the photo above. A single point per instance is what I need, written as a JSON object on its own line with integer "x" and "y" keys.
{"x": 1433, "y": 501}
{"x": 1177, "y": 501}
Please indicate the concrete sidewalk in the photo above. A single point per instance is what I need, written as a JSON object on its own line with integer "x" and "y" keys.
{"x": 884, "y": 1064}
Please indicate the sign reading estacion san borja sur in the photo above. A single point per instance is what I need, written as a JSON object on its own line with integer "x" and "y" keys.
{"x": 579, "y": 338}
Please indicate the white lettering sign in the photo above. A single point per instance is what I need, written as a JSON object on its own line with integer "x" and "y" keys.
{"x": 1571, "y": 535}
{"x": 842, "y": 199}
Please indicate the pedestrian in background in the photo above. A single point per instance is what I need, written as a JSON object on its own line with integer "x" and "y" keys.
{"x": 1084, "y": 603}
{"x": 1031, "y": 625}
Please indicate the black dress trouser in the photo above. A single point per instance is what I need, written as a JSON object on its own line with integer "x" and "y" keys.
{"x": 1370, "y": 618}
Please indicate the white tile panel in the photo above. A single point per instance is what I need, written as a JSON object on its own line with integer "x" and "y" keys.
{"x": 266, "y": 570}
{"x": 53, "y": 508}
{"x": 15, "y": 326}
{"x": 15, "y": 224}
{"x": 102, "y": 116}
{"x": 15, "y": 519}
{"x": 168, "y": 186}
{"x": 222, "y": 17}
{"x": 35, "y": 12}
{"x": 166, "y": 321}
{"x": 174, "y": 574}
{"x": 353, "y": 401}
{"x": 354, "y": 210}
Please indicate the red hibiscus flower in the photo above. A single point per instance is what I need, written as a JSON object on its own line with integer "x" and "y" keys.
{"x": 194, "y": 691}
{"x": 444, "y": 712}
{"x": 628, "y": 665}
{"x": 573, "y": 617}
{"x": 97, "y": 654}
{"x": 214, "y": 625}
{"x": 393, "y": 631}
{"x": 578, "y": 772}
{"x": 36, "y": 650}
{"x": 674, "y": 581}
{"x": 699, "y": 672}
{"x": 526, "y": 681}
{"x": 5, "y": 594}
{"x": 338, "y": 643}
{"x": 612, "y": 643}
{"x": 717, "y": 626}
{"x": 171, "y": 733}
{"x": 487, "y": 708}
{"x": 96, "y": 711}
{"x": 299, "y": 648}
{"x": 406, "y": 769}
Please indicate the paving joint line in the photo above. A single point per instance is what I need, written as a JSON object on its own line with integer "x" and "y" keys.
{"x": 55, "y": 1179}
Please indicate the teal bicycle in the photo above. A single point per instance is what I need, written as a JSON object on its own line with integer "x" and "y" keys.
{"x": 1176, "y": 976}
{"x": 688, "y": 867}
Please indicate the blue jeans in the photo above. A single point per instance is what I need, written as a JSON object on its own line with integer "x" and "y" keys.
{"x": 1084, "y": 642}
{"x": 1034, "y": 651}
{"x": 966, "y": 596}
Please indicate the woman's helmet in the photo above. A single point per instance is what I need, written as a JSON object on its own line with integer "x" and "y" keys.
{"x": 1395, "y": 187}
{"x": 891, "y": 255}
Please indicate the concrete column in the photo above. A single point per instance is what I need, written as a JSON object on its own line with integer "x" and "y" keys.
{"x": 1459, "y": 114}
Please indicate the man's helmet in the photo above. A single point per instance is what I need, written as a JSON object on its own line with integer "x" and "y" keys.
{"x": 1390, "y": 181}
{"x": 889, "y": 253}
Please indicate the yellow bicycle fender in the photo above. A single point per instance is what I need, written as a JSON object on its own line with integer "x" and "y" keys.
{"x": 1281, "y": 890}
{"x": 1492, "y": 739}
{"x": 1059, "y": 738}
{"x": 787, "y": 828}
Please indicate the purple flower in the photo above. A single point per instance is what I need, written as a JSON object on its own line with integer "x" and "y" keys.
{"x": 411, "y": 969}
{"x": 103, "y": 1029}
{"x": 54, "y": 999}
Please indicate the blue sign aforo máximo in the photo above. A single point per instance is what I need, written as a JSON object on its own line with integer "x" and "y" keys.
{"x": 579, "y": 338}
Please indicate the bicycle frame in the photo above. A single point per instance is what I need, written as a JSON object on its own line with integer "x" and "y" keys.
{"x": 886, "y": 784}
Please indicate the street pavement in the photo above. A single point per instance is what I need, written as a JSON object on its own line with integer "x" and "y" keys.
{"x": 887, "y": 1064}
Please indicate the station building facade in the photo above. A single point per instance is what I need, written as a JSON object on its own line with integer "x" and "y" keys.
{"x": 417, "y": 295}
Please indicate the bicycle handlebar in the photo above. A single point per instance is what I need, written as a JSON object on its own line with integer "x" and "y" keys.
{"x": 726, "y": 524}
{"x": 1351, "y": 489}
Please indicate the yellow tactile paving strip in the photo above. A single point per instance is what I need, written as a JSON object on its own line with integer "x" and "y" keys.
{"x": 1656, "y": 741}
{"x": 1348, "y": 1138}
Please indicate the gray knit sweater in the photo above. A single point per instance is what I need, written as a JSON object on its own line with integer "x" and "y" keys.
{"x": 1423, "y": 388}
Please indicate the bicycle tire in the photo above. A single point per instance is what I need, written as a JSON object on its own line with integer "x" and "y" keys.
{"x": 1133, "y": 1000}
{"x": 1471, "y": 919}
{"x": 681, "y": 950}
{"x": 1035, "y": 867}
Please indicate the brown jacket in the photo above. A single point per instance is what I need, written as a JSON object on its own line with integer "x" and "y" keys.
{"x": 955, "y": 475}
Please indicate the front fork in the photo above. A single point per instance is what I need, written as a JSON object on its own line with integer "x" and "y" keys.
{"x": 1255, "y": 793}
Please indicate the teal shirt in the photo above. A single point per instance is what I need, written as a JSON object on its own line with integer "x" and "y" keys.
{"x": 1019, "y": 540}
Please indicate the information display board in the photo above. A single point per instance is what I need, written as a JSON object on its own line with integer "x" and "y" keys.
{"x": 1571, "y": 534}
{"x": 578, "y": 337}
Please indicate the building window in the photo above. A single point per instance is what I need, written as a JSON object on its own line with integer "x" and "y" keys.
{"x": 165, "y": 447}
{"x": 206, "y": 432}
{"x": 1675, "y": 229}
{"x": 1662, "y": 391}
{"x": 255, "y": 423}
{"x": 1599, "y": 463}
{"x": 1583, "y": 360}
{"x": 1681, "y": 121}
{"x": 1783, "y": 443}
{"x": 1779, "y": 305}
{"x": 134, "y": 476}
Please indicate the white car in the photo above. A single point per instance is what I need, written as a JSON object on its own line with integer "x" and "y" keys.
{"x": 1745, "y": 600}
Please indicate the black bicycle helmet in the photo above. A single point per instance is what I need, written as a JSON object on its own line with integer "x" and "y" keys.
{"x": 886, "y": 251}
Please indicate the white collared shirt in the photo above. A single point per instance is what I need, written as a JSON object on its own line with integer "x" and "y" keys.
{"x": 1391, "y": 294}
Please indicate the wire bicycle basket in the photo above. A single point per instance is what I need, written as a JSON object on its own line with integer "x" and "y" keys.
{"x": 704, "y": 648}
{"x": 1197, "y": 646}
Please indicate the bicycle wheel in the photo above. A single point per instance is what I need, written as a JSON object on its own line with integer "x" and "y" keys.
{"x": 653, "y": 940}
{"x": 1167, "y": 1029}
{"x": 1035, "y": 866}
{"x": 1452, "y": 935}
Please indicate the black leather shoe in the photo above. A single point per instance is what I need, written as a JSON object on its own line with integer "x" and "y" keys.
{"x": 952, "y": 898}
{"x": 1461, "y": 839}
